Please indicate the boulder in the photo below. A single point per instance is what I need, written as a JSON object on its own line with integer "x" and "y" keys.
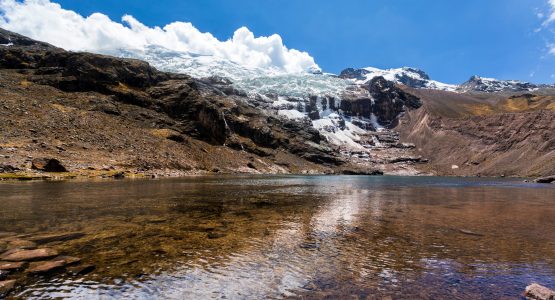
{"x": 538, "y": 292}
{"x": 29, "y": 255}
{"x": 8, "y": 169}
{"x": 48, "y": 165}
{"x": 548, "y": 179}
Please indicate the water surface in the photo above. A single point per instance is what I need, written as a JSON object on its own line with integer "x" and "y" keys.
{"x": 291, "y": 237}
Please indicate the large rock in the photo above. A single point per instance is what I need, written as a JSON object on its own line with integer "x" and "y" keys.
{"x": 538, "y": 292}
{"x": 48, "y": 165}
{"x": 29, "y": 255}
{"x": 548, "y": 179}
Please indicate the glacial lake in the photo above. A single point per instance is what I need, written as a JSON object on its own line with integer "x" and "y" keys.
{"x": 259, "y": 237}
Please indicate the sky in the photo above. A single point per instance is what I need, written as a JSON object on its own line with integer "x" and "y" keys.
{"x": 450, "y": 40}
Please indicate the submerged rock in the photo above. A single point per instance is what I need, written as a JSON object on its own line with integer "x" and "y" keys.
{"x": 538, "y": 292}
{"x": 56, "y": 237}
{"x": 11, "y": 266}
{"x": 7, "y": 234}
{"x": 29, "y": 255}
{"x": 81, "y": 270}
{"x": 21, "y": 244}
{"x": 6, "y": 287}
{"x": 68, "y": 260}
{"x": 47, "y": 267}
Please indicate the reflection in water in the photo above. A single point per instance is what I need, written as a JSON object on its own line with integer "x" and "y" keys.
{"x": 294, "y": 236}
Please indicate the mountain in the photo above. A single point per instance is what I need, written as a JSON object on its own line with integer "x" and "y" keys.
{"x": 491, "y": 85}
{"x": 158, "y": 111}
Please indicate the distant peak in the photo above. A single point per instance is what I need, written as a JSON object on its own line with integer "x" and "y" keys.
{"x": 408, "y": 76}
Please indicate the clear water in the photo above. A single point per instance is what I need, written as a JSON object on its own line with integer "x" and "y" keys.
{"x": 291, "y": 237}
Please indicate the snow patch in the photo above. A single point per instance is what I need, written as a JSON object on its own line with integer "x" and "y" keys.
{"x": 291, "y": 114}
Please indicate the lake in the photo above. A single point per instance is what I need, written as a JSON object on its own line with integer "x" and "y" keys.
{"x": 255, "y": 237}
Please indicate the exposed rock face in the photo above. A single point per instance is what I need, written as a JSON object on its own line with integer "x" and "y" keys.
{"x": 351, "y": 73}
{"x": 386, "y": 102}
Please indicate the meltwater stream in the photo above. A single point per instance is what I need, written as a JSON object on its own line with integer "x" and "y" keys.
{"x": 289, "y": 237}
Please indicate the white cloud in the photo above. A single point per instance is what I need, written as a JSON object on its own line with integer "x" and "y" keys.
{"x": 47, "y": 21}
{"x": 551, "y": 15}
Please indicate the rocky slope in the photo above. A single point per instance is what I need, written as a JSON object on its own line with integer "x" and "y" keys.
{"x": 486, "y": 134}
{"x": 103, "y": 114}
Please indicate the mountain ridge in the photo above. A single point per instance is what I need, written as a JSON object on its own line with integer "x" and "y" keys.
{"x": 286, "y": 123}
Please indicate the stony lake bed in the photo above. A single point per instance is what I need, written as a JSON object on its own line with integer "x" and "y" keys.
{"x": 255, "y": 237}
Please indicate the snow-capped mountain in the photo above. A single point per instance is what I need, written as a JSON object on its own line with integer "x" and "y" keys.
{"x": 492, "y": 85}
{"x": 408, "y": 76}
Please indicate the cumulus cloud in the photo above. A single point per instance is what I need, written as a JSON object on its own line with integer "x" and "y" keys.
{"x": 48, "y": 21}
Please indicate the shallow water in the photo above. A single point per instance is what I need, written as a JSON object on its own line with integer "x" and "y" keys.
{"x": 291, "y": 237}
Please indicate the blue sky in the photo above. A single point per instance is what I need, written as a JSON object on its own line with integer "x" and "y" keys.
{"x": 451, "y": 40}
